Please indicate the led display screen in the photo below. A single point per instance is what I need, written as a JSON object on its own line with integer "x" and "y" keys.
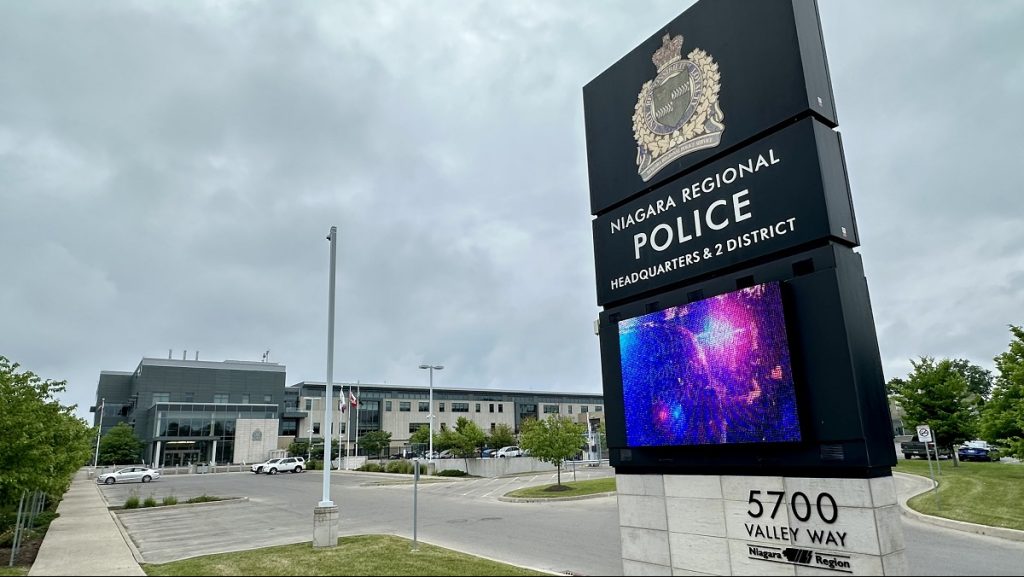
{"x": 712, "y": 372}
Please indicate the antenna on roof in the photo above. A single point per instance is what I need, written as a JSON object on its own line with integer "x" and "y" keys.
{"x": 169, "y": 352}
{"x": 266, "y": 356}
{"x": 184, "y": 353}
{"x": 197, "y": 355}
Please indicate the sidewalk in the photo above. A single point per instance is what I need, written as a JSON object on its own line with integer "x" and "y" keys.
{"x": 84, "y": 540}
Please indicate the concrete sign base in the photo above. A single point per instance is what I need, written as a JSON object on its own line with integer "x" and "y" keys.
{"x": 749, "y": 525}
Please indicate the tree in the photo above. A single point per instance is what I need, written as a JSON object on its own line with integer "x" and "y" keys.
{"x": 120, "y": 445}
{"x": 936, "y": 393}
{"x": 553, "y": 440}
{"x": 469, "y": 439}
{"x": 979, "y": 380}
{"x": 422, "y": 437}
{"x": 1002, "y": 419}
{"x": 301, "y": 448}
{"x": 375, "y": 442}
{"x": 502, "y": 436}
{"x": 42, "y": 443}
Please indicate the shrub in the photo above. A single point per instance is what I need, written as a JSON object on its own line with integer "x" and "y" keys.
{"x": 204, "y": 498}
{"x": 132, "y": 502}
{"x": 149, "y": 502}
{"x": 452, "y": 473}
{"x": 403, "y": 467}
{"x": 370, "y": 468}
{"x": 170, "y": 500}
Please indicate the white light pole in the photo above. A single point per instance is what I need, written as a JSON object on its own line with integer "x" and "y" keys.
{"x": 99, "y": 431}
{"x": 431, "y": 368}
{"x": 329, "y": 385}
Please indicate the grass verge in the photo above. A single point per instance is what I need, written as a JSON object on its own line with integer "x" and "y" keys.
{"x": 575, "y": 489}
{"x": 359, "y": 555}
{"x": 984, "y": 493}
{"x": 16, "y": 571}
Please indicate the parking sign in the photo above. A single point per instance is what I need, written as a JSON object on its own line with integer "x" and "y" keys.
{"x": 924, "y": 434}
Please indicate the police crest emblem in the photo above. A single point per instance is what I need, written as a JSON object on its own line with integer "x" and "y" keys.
{"x": 677, "y": 113}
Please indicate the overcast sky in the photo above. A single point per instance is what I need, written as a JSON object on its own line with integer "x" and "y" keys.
{"x": 169, "y": 172}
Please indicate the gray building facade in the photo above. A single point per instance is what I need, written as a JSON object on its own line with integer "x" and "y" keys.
{"x": 196, "y": 411}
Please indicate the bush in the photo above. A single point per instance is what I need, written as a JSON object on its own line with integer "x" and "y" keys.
{"x": 371, "y": 468}
{"x": 204, "y": 498}
{"x": 149, "y": 502}
{"x": 170, "y": 500}
{"x": 452, "y": 473}
{"x": 402, "y": 467}
{"x": 132, "y": 502}
{"x": 314, "y": 465}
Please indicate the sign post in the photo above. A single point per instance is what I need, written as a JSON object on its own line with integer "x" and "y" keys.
{"x": 924, "y": 434}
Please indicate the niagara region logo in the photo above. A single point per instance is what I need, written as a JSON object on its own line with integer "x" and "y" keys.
{"x": 677, "y": 113}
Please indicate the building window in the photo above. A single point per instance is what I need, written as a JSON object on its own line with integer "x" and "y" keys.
{"x": 387, "y": 405}
{"x": 570, "y": 409}
{"x": 309, "y": 404}
{"x": 444, "y": 426}
{"x": 245, "y": 398}
{"x": 413, "y": 427}
{"x": 583, "y": 408}
{"x": 550, "y": 409}
{"x": 460, "y": 407}
{"x": 597, "y": 409}
{"x": 501, "y": 407}
{"x": 288, "y": 428}
{"x": 493, "y": 427}
{"x": 161, "y": 397}
{"x": 220, "y": 398}
{"x": 189, "y": 397}
{"x": 440, "y": 407}
{"x": 492, "y": 407}
{"x": 424, "y": 406}
{"x": 268, "y": 399}
{"x": 404, "y": 406}
{"x": 316, "y": 428}
{"x": 478, "y": 407}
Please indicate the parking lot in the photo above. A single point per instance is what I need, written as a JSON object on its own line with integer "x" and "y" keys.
{"x": 463, "y": 514}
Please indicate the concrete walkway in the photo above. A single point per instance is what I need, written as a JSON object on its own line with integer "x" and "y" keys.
{"x": 85, "y": 539}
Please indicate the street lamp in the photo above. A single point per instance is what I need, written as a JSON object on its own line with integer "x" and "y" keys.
{"x": 431, "y": 368}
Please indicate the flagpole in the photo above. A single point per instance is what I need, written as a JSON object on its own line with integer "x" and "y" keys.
{"x": 358, "y": 392}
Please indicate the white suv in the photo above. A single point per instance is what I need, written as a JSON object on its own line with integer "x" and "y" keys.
{"x": 260, "y": 467}
{"x": 291, "y": 464}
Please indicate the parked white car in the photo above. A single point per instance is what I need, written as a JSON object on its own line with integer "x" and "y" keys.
{"x": 260, "y": 467}
{"x": 509, "y": 452}
{"x": 129, "y": 474}
{"x": 289, "y": 464}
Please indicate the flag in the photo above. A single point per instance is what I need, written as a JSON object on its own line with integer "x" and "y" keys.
{"x": 352, "y": 399}
{"x": 341, "y": 405}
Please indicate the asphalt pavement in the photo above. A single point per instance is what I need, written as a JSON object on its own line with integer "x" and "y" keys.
{"x": 569, "y": 537}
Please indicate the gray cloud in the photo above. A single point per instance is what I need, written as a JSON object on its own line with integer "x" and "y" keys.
{"x": 168, "y": 173}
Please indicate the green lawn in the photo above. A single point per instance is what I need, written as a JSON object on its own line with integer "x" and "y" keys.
{"x": 575, "y": 489}
{"x": 15, "y": 571}
{"x": 983, "y": 493}
{"x": 360, "y": 555}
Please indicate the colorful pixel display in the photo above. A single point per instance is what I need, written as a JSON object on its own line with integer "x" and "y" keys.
{"x": 711, "y": 372}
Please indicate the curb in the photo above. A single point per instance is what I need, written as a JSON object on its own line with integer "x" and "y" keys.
{"x": 225, "y": 501}
{"x": 550, "y": 499}
{"x": 987, "y": 530}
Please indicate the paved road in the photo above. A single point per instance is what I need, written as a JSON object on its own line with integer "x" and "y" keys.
{"x": 570, "y": 536}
